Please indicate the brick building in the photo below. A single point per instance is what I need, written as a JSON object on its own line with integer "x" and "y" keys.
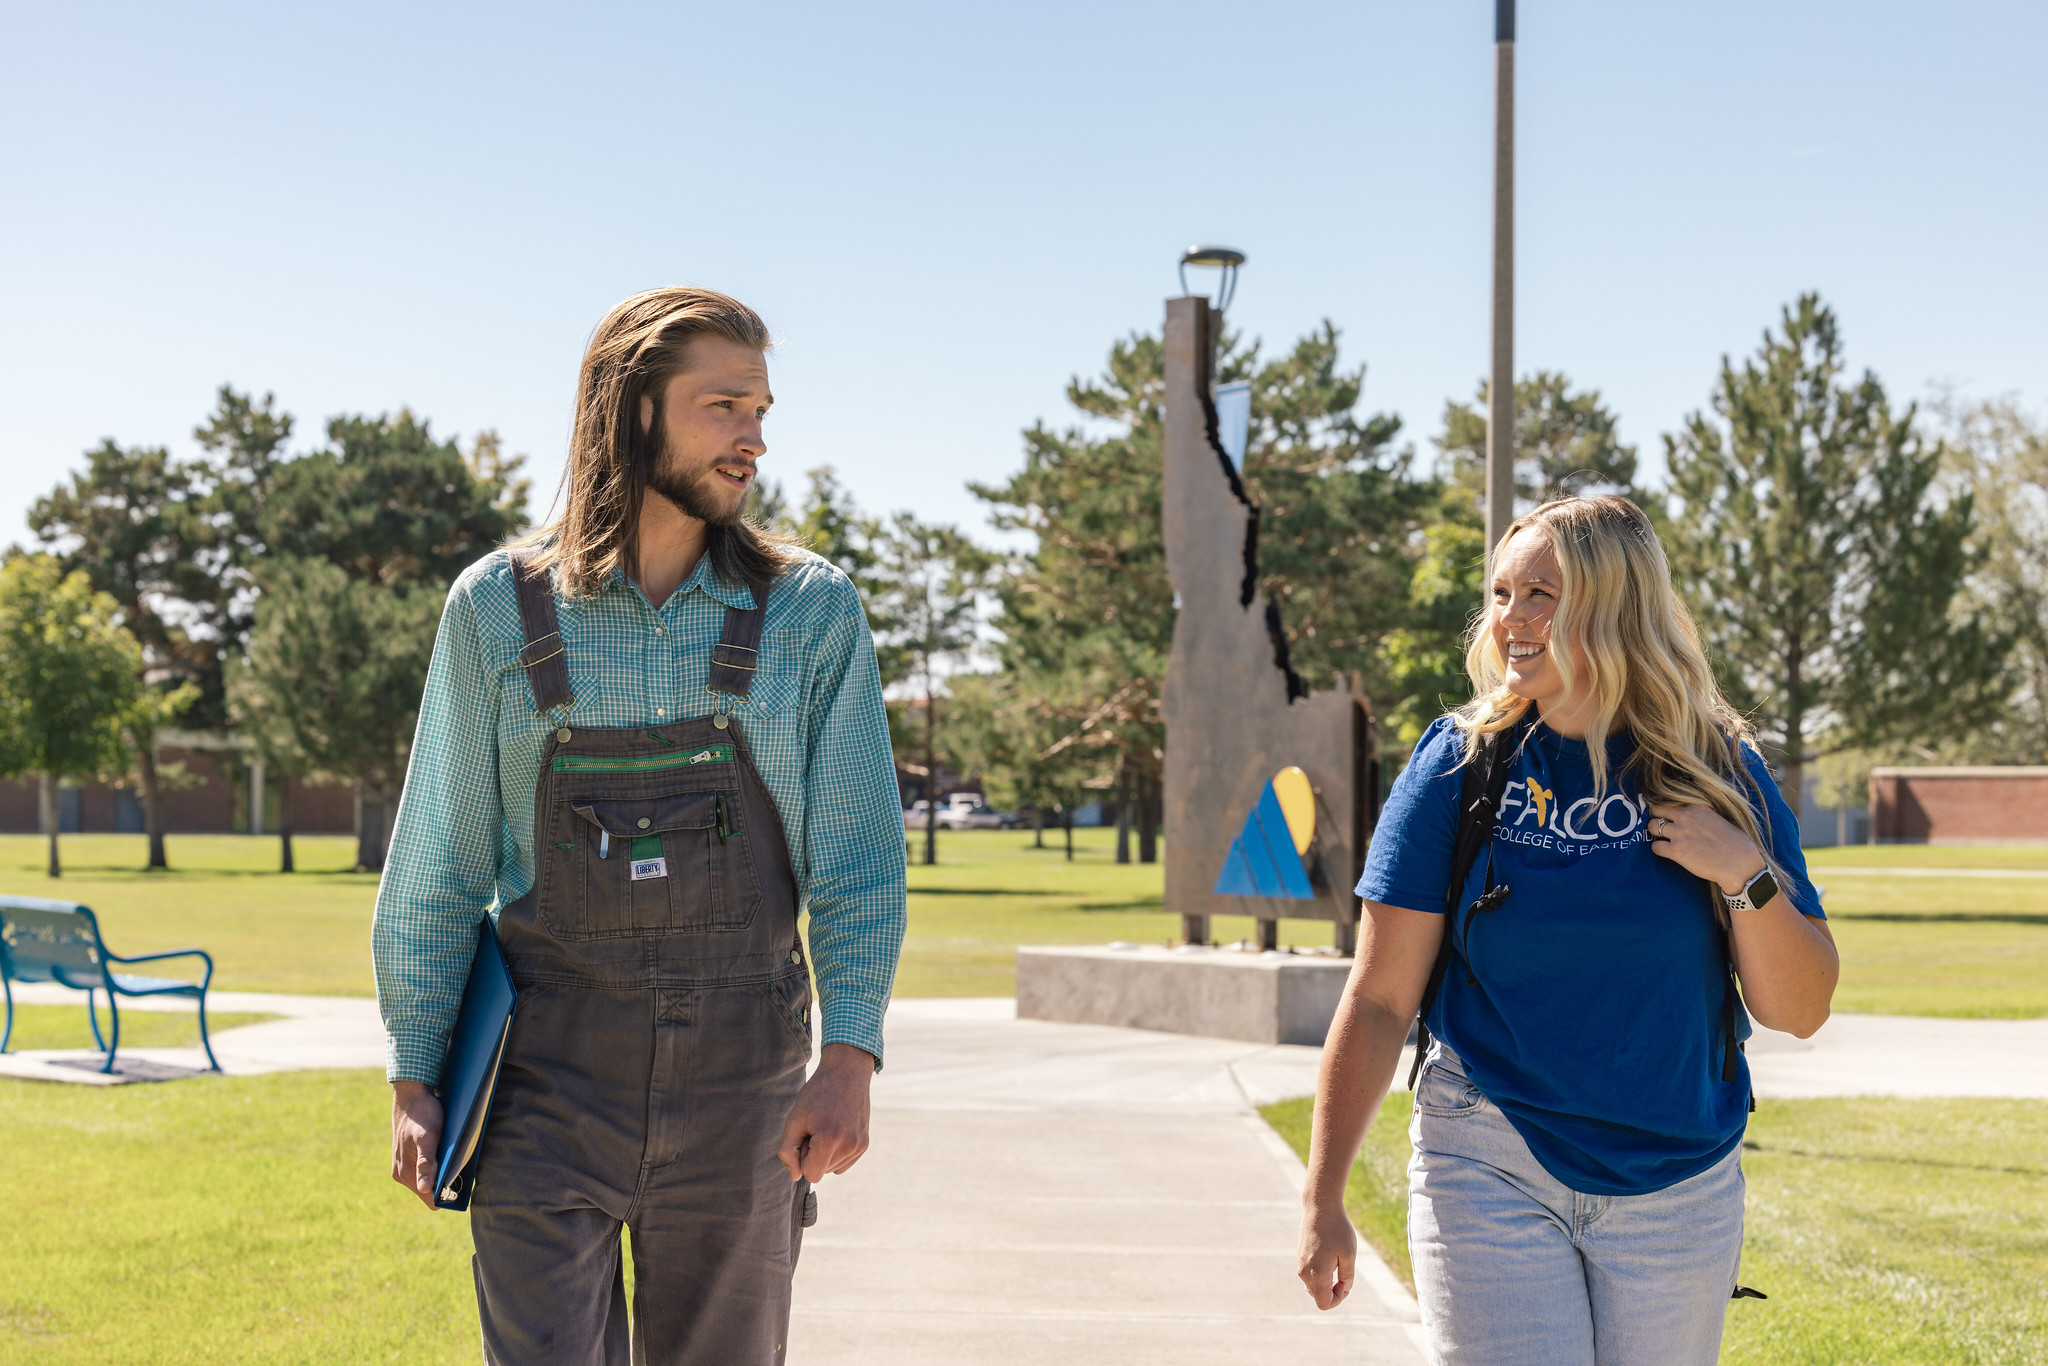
{"x": 2005, "y": 804}
{"x": 207, "y": 790}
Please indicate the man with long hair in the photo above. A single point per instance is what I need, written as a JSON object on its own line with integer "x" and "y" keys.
{"x": 651, "y": 733}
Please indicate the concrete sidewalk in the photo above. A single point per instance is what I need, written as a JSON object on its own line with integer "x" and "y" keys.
{"x": 316, "y": 1031}
{"x": 1052, "y": 1194}
{"x": 1852, "y": 1055}
{"x": 1822, "y": 873}
{"x": 1058, "y": 1193}
{"x": 1903, "y": 1055}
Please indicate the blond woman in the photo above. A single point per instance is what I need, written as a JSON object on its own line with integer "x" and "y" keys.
{"x": 1576, "y": 1186}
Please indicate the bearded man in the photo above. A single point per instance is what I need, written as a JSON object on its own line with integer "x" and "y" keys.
{"x": 650, "y": 736}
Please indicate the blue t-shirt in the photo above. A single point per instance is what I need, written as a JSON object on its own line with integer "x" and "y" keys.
{"x": 1589, "y": 1006}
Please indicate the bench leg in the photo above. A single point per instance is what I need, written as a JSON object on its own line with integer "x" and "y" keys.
{"x": 114, "y": 1009}
{"x": 92, "y": 1017}
{"x": 204, "y": 1042}
{"x": 7, "y": 985}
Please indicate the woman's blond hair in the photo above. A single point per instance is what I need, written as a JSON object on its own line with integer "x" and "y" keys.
{"x": 631, "y": 355}
{"x": 1622, "y": 633}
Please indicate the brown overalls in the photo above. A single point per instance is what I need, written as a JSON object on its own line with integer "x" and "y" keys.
{"x": 661, "y": 1035}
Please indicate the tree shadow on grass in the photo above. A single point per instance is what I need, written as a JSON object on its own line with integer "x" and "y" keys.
{"x": 1775, "y": 1150}
{"x": 158, "y": 877}
{"x": 978, "y": 891}
{"x": 2035, "y": 918}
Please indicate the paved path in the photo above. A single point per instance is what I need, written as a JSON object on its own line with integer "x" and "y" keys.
{"x": 1059, "y": 1194}
{"x": 1822, "y": 872}
{"x": 316, "y": 1031}
{"x": 1903, "y": 1055}
{"x": 1853, "y": 1055}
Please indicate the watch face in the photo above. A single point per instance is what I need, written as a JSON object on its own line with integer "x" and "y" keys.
{"x": 1762, "y": 890}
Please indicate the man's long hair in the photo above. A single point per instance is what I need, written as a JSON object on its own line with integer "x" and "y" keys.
{"x": 631, "y": 355}
{"x": 1622, "y": 633}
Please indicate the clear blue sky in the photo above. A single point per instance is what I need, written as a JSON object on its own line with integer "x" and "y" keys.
{"x": 946, "y": 210}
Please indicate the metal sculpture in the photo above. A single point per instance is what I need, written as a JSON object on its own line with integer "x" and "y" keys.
{"x": 1237, "y": 713}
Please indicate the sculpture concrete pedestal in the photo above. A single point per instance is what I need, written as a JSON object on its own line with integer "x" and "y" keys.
{"x": 1269, "y": 997}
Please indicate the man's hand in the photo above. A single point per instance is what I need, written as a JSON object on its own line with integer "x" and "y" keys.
{"x": 416, "y": 1136}
{"x": 828, "y": 1126}
{"x": 1328, "y": 1256}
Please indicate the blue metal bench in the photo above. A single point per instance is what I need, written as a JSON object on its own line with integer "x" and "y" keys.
{"x": 59, "y": 941}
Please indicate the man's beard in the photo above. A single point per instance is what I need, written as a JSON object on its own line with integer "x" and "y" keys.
{"x": 693, "y": 497}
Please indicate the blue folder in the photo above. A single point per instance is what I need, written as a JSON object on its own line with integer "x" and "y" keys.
{"x": 469, "y": 1076}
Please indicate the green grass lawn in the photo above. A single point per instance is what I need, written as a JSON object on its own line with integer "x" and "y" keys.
{"x": 1930, "y": 856}
{"x": 1886, "y": 1232}
{"x": 244, "y": 1219}
{"x": 1929, "y": 946}
{"x": 1913, "y": 946}
{"x": 304, "y": 933}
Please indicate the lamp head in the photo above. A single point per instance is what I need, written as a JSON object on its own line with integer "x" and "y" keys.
{"x": 1223, "y": 259}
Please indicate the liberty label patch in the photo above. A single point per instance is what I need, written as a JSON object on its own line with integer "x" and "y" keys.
{"x": 645, "y": 868}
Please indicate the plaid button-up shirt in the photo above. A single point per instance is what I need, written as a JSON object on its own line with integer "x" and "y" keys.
{"x": 464, "y": 843}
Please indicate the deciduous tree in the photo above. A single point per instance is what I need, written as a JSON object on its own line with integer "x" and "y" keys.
{"x": 135, "y": 522}
{"x": 924, "y": 605}
{"x": 68, "y": 680}
{"x": 1999, "y": 451}
{"x": 333, "y": 677}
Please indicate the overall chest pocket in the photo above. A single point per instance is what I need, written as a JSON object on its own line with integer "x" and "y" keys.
{"x": 649, "y": 864}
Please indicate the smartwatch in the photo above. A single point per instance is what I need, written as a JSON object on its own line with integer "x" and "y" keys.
{"x": 1760, "y": 891}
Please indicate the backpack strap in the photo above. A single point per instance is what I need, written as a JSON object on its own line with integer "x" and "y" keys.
{"x": 547, "y": 668}
{"x": 1730, "y": 1045}
{"x": 1486, "y": 779}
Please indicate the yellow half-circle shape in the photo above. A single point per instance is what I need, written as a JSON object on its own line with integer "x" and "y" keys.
{"x": 1298, "y": 805}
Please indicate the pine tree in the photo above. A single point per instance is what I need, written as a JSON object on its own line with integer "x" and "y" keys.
{"x": 1566, "y": 442}
{"x": 1087, "y": 613}
{"x": 1823, "y": 558}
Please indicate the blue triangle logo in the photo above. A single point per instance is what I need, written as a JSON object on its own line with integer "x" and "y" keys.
{"x": 1262, "y": 860}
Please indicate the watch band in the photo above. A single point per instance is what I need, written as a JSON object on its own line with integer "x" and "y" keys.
{"x": 1761, "y": 890}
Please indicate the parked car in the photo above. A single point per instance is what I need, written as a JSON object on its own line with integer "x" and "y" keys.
{"x": 962, "y": 811}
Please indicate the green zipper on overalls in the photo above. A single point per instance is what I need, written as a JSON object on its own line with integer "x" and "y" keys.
{"x": 583, "y": 763}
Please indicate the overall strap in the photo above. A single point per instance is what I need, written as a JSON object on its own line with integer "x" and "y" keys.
{"x": 738, "y": 652}
{"x": 1486, "y": 779}
{"x": 542, "y": 658}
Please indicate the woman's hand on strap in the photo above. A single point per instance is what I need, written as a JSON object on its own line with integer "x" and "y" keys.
{"x": 1785, "y": 961}
{"x": 1704, "y": 843}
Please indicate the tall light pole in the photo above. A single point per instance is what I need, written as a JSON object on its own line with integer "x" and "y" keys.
{"x": 1500, "y": 374}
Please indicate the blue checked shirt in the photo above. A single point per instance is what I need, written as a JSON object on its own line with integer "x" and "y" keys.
{"x": 463, "y": 844}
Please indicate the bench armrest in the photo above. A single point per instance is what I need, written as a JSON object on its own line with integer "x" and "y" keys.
{"x": 204, "y": 982}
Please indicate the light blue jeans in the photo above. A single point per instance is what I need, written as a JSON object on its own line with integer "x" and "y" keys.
{"x": 1513, "y": 1268}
